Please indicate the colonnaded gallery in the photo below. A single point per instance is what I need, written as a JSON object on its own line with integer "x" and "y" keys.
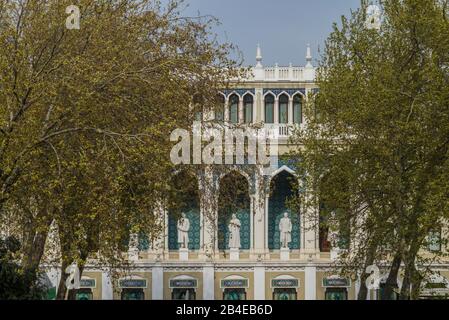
{"x": 262, "y": 252}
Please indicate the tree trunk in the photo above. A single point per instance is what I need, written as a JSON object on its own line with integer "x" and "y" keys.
{"x": 62, "y": 289}
{"x": 33, "y": 252}
{"x": 363, "y": 292}
{"x": 406, "y": 283}
{"x": 392, "y": 281}
{"x": 33, "y": 256}
{"x": 65, "y": 242}
{"x": 410, "y": 270}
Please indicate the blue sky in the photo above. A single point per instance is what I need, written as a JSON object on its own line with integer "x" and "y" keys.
{"x": 282, "y": 27}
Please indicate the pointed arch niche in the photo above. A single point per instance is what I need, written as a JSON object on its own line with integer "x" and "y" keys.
{"x": 281, "y": 189}
{"x": 184, "y": 198}
{"x": 234, "y": 199}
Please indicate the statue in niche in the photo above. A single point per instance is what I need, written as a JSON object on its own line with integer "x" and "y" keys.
{"x": 183, "y": 231}
{"x": 234, "y": 232}
{"x": 285, "y": 230}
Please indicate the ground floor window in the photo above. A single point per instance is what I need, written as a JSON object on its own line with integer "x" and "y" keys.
{"x": 133, "y": 294}
{"x": 234, "y": 294}
{"x": 284, "y": 294}
{"x": 183, "y": 294}
{"x": 84, "y": 294}
{"x": 336, "y": 294}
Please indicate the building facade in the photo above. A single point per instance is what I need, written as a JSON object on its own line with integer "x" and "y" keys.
{"x": 262, "y": 268}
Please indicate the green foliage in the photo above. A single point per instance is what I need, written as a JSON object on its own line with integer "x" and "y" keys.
{"x": 86, "y": 117}
{"x": 376, "y": 147}
{"x": 15, "y": 284}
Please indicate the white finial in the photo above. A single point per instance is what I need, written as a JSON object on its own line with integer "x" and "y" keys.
{"x": 259, "y": 57}
{"x": 373, "y": 17}
{"x": 309, "y": 56}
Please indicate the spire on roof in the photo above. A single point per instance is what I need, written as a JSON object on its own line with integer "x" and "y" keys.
{"x": 373, "y": 16}
{"x": 309, "y": 56}
{"x": 259, "y": 57}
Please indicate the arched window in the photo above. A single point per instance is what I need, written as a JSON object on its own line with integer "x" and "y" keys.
{"x": 297, "y": 109}
{"x": 234, "y": 109}
{"x": 283, "y": 109}
{"x": 269, "y": 109}
{"x": 248, "y": 108}
{"x": 219, "y": 111}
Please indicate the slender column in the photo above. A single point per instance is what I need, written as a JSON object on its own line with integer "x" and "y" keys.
{"x": 310, "y": 285}
{"x": 258, "y": 214}
{"x": 309, "y": 225}
{"x": 133, "y": 247}
{"x": 267, "y": 201}
{"x": 258, "y": 107}
{"x": 158, "y": 246}
{"x": 226, "y": 110}
{"x": 157, "y": 282}
{"x": 262, "y": 115}
{"x": 304, "y": 102}
{"x": 290, "y": 111}
{"x": 252, "y": 223}
{"x": 241, "y": 116}
{"x": 259, "y": 282}
{"x": 106, "y": 287}
{"x": 208, "y": 282}
{"x": 276, "y": 111}
{"x": 208, "y": 204}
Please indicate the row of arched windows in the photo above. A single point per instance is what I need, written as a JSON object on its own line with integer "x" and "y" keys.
{"x": 269, "y": 109}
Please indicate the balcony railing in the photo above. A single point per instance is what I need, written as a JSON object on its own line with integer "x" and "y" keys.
{"x": 282, "y": 130}
{"x": 278, "y": 73}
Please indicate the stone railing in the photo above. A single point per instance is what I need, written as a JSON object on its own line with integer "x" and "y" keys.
{"x": 281, "y": 130}
{"x": 277, "y": 73}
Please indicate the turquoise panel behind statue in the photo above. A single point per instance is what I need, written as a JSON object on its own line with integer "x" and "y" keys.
{"x": 144, "y": 242}
{"x": 276, "y": 209}
{"x": 275, "y": 216}
{"x": 245, "y": 230}
{"x": 194, "y": 232}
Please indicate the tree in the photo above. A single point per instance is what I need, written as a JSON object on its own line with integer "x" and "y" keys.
{"x": 376, "y": 147}
{"x": 15, "y": 283}
{"x": 86, "y": 117}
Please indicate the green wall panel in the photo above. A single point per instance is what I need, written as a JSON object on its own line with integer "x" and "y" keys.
{"x": 245, "y": 230}
{"x": 194, "y": 232}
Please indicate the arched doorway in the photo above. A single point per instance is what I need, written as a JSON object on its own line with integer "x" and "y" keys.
{"x": 184, "y": 198}
{"x": 282, "y": 189}
{"x": 234, "y": 199}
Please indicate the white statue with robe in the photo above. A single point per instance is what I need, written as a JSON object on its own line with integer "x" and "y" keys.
{"x": 285, "y": 230}
{"x": 183, "y": 231}
{"x": 234, "y": 233}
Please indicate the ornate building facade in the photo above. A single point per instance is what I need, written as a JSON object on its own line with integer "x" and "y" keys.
{"x": 194, "y": 259}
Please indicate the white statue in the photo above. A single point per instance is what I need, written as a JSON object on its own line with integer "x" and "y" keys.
{"x": 183, "y": 231}
{"x": 285, "y": 229}
{"x": 234, "y": 233}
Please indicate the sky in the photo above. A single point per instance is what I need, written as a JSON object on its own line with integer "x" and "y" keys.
{"x": 283, "y": 28}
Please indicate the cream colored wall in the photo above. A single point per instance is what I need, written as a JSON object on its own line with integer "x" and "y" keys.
{"x": 147, "y": 290}
{"x": 271, "y": 275}
{"x": 97, "y": 291}
{"x": 170, "y": 275}
{"x": 221, "y": 275}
